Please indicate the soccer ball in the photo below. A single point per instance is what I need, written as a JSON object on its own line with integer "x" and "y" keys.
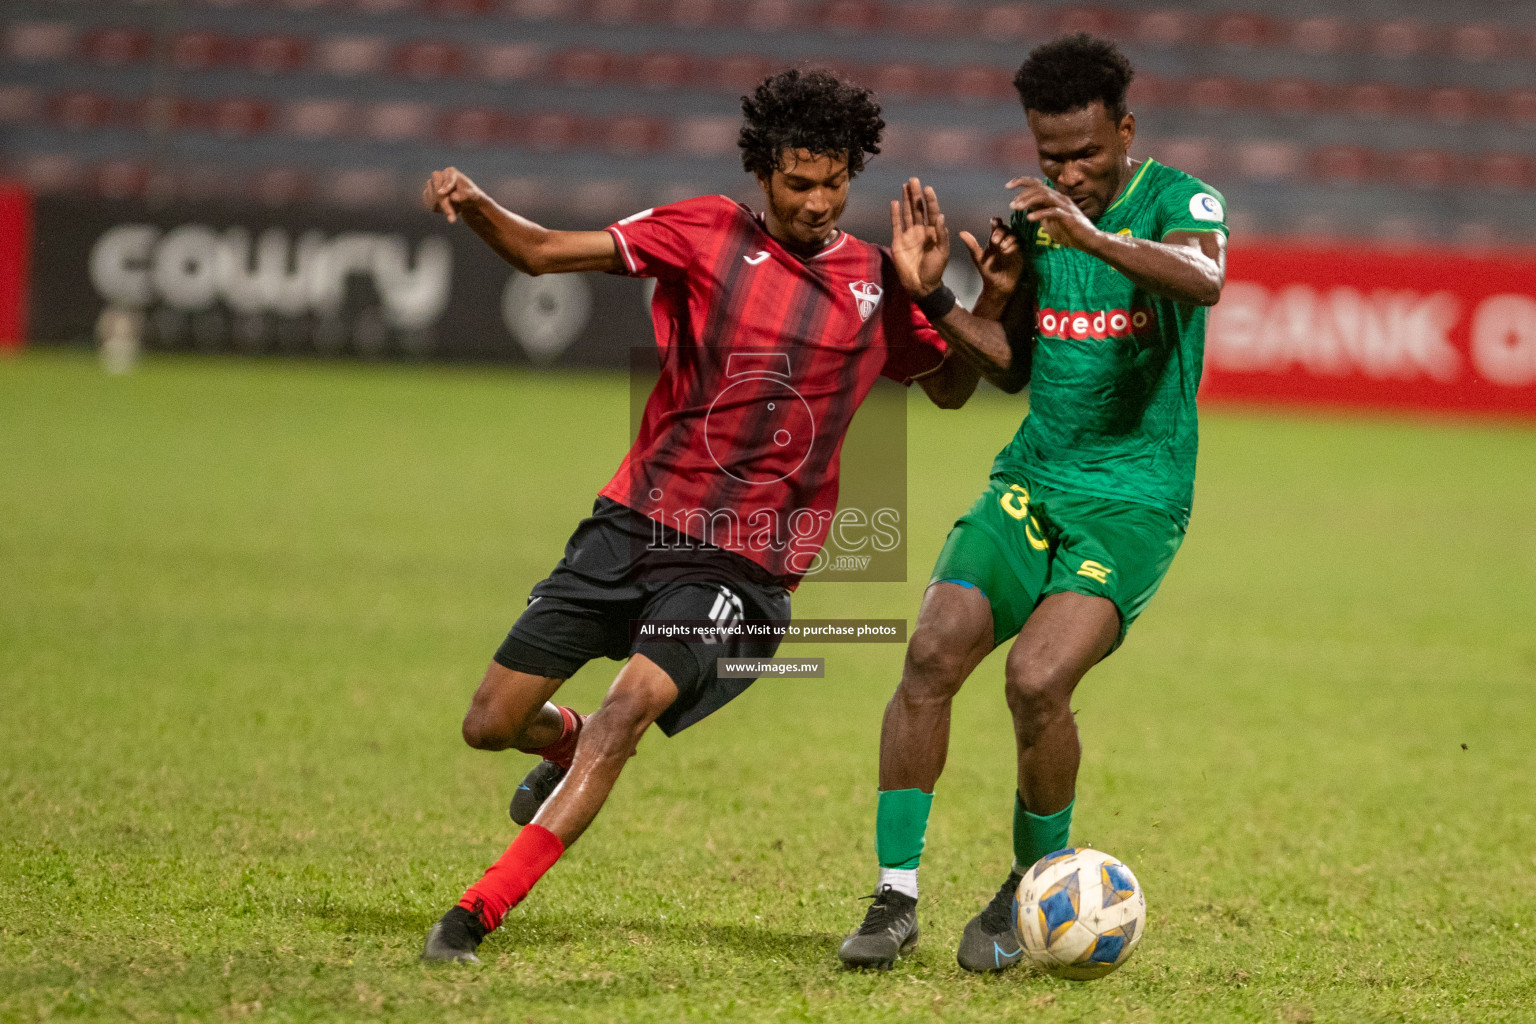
{"x": 1079, "y": 913}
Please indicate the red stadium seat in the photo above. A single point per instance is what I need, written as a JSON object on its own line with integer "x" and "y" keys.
{"x": 1372, "y": 101}
{"x": 385, "y": 6}
{"x": 115, "y": 47}
{"x": 740, "y": 72}
{"x": 36, "y": 41}
{"x": 81, "y": 111}
{"x": 665, "y": 70}
{"x": 398, "y": 121}
{"x": 1167, "y": 27}
{"x": 370, "y": 186}
{"x": 632, "y": 135}
{"x": 1097, "y": 21}
{"x": 282, "y": 186}
{"x": 275, "y": 54}
{"x": 239, "y": 118}
{"x": 1424, "y": 168}
{"x": 954, "y": 147}
{"x": 1242, "y": 30}
{"x": 1402, "y": 38}
{"x": 1454, "y": 104}
{"x": 427, "y": 60}
{"x": 1321, "y": 36}
{"x": 475, "y": 126}
{"x": 771, "y": 15}
{"x": 1520, "y": 107}
{"x": 19, "y": 103}
{"x": 929, "y": 19}
{"x": 603, "y": 199}
{"x": 706, "y": 136}
{"x": 900, "y": 81}
{"x": 1218, "y": 94}
{"x": 47, "y": 173}
{"x": 977, "y": 84}
{"x": 1016, "y": 152}
{"x": 511, "y": 62}
{"x": 694, "y": 14}
{"x": 1294, "y": 97}
{"x": 1005, "y": 23}
{"x": 1477, "y": 42}
{"x": 462, "y": 8}
{"x": 583, "y": 69}
{"x": 1505, "y": 171}
{"x": 1197, "y": 156}
{"x": 351, "y": 55}
{"x": 318, "y": 119}
{"x": 1269, "y": 159}
{"x": 850, "y": 17}
{"x": 550, "y": 132}
{"x": 1343, "y": 164}
{"x": 202, "y": 51}
{"x": 541, "y": 10}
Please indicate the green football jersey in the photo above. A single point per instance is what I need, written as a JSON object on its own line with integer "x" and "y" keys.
{"x": 1115, "y": 369}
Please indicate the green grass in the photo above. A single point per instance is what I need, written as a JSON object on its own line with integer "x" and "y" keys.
{"x": 243, "y": 605}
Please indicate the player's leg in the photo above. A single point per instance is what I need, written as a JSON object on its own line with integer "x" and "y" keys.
{"x": 512, "y": 709}
{"x": 953, "y": 634}
{"x": 638, "y": 696}
{"x": 1065, "y": 636}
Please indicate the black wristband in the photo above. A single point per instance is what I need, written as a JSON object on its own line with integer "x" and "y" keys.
{"x": 937, "y": 303}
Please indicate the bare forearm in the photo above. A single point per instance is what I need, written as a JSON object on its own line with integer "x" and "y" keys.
{"x": 534, "y": 249}
{"x": 1179, "y": 272}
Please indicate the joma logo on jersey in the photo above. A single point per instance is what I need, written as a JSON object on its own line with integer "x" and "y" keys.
{"x": 1103, "y": 323}
{"x": 867, "y": 295}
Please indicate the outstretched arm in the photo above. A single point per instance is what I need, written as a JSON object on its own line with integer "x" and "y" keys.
{"x": 1186, "y": 266}
{"x": 529, "y": 247}
{"x": 920, "y": 250}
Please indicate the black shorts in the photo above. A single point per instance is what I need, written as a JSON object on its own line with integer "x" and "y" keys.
{"x": 620, "y": 569}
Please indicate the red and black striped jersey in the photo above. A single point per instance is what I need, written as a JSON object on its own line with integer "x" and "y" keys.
{"x": 764, "y": 357}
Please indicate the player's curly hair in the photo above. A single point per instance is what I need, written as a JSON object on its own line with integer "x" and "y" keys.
{"x": 1071, "y": 72}
{"x": 812, "y": 110}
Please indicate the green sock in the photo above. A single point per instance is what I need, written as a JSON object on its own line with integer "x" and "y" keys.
{"x": 1035, "y": 836}
{"x": 901, "y": 822}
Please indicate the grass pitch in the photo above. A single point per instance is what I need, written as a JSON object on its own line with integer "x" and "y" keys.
{"x": 243, "y": 605}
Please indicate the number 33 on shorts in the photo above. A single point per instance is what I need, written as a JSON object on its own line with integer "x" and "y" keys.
{"x": 1015, "y": 502}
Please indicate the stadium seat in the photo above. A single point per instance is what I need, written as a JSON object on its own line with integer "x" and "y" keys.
{"x": 1168, "y": 27}
{"x": 770, "y": 15}
{"x": 1342, "y": 164}
{"x": 1424, "y": 168}
{"x": 238, "y": 118}
{"x": 115, "y": 47}
{"x": 1322, "y": 35}
{"x": 1372, "y": 101}
{"x": 1093, "y": 20}
{"x": 81, "y": 111}
{"x": 929, "y": 20}
{"x": 318, "y": 119}
{"x": 1244, "y": 30}
{"x": 1454, "y": 104}
{"x": 582, "y": 68}
{"x": 979, "y": 84}
{"x": 350, "y": 55}
{"x": 953, "y": 147}
{"x": 47, "y": 173}
{"x": 1294, "y": 97}
{"x": 362, "y": 186}
{"x": 1506, "y": 171}
{"x": 1268, "y": 160}
{"x": 632, "y": 135}
{"x": 510, "y": 62}
{"x": 900, "y": 81}
{"x": 1008, "y": 23}
{"x": 275, "y": 54}
{"x": 398, "y": 121}
{"x": 281, "y": 186}
{"x": 1192, "y": 155}
{"x": 38, "y": 41}
{"x": 549, "y": 132}
{"x": 202, "y": 51}
{"x": 666, "y": 70}
{"x": 706, "y": 136}
{"x": 541, "y": 10}
{"x": 120, "y": 179}
{"x": 1520, "y": 107}
{"x": 19, "y": 103}
{"x": 850, "y": 17}
{"x": 475, "y": 126}
{"x": 1405, "y": 37}
{"x": 427, "y": 60}
{"x": 1477, "y": 42}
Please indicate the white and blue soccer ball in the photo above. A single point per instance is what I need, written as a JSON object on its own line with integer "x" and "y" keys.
{"x": 1079, "y": 913}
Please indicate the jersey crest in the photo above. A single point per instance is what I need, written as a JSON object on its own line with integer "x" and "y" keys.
{"x": 867, "y": 295}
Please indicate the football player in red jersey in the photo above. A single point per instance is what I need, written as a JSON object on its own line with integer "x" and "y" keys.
{"x": 728, "y": 492}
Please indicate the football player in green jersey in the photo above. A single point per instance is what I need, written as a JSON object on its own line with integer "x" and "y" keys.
{"x": 1095, "y": 295}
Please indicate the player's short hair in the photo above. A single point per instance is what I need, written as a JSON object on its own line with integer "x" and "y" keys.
{"x": 812, "y": 110}
{"x": 1071, "y": 72}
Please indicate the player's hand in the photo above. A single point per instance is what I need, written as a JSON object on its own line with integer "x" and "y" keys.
{"x": 1058, "y": 215}
{"x": 1001, "y": 263}
{"x": 447, "y": 190}
{"x": 919, "y": 238}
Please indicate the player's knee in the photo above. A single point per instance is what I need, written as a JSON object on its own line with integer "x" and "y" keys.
{"x": 481, "y": 731}
{"x": 1036, "y": 695}
{"x": 626, "y": 712}
{"x": 935, "y": 668}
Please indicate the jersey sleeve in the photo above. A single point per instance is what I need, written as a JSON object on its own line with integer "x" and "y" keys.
{"x": 1191, "y": 205}
{"x": 662, "y": 241}
{"x": 915, "y": 349}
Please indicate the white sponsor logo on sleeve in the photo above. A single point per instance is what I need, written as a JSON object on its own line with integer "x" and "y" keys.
{"x": 1203, "y": 206}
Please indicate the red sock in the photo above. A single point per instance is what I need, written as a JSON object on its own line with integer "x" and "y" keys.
{"x": 563, "y": 750}
{"x": 506, "y": 882}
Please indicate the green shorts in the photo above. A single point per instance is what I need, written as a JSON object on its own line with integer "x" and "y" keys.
{"x": 1021, "y": 543}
